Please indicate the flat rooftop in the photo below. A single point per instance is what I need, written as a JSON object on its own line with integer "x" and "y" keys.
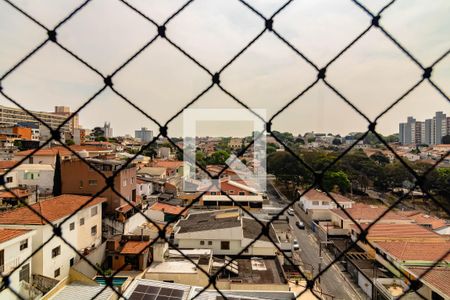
{"x": 258, "y": 271}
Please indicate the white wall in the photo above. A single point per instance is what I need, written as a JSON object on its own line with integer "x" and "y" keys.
{"x": 80, "y": 237}
{"x": 144, "y": 189}
{"x": 41, "y": 178}
{"x": 13, "y": 176}
{"x": 14, "y": 257}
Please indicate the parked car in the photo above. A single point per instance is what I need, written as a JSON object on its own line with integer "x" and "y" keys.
{"x": 290, "y": 212}
{"x": 300, "y": 225}
{"x": 295, "y": 245}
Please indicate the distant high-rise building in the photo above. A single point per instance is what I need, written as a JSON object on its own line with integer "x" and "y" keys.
{"x": 429, "y": 132}
{"x": 108, "y": 131}
{"x": 65, "y": 111}
{"x": 144, "y": 134}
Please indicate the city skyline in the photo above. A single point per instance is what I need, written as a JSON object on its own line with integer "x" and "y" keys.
{"x": 267, "y": 75}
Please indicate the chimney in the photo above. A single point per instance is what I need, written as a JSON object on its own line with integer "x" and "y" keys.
{"x": 159, "y": 250}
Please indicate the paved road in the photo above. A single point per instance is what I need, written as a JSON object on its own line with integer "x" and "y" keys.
{"x": 332, "y": 281}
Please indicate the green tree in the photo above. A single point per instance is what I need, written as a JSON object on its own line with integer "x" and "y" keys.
{"x": 337, "y": 142}
{"x": 70, "y": 142}
{"x": 336, "y": 179}
{"x": 57, "y": 180}
{"x": 218, "y": 157}
{"x": 380, "y": 158}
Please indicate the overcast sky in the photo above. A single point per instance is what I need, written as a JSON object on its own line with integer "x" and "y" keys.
{"x": 161, "y": 80}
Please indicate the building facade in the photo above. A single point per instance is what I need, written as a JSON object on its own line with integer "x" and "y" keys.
{"x": 145, "y": 135}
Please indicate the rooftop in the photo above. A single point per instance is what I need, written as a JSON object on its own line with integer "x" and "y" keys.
{"x": 135, "y": 247}
{"x": 14, "y": 193}
{"x": 152, "y": 171}
{"x": 205, "y": 221}
{"x": 366, "y": 212}
{"x": 51, "y": 209}
{"x": 316, "y": 195}
{"x": 416, "y": 251}
{"x": 7, "y": 164}
{"x": 9, "y": 234}
{"x": 438, "y": 278}
{"x": 62, "y": 150}
{"x": 169, "y": 164}
{"x": 169, "y": 209}
{"x": 78, "y": 290}
{"x": 251, "y": 230}
{"x": 400, "y": 232}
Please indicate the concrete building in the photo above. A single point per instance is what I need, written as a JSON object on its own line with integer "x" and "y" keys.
{"x": 10, "y": 116}
{"x": 82, "y": 230}
{"x": 81, "y": 179}
{"x": 315, "y": 199}
{"x": 223, "y": 202}
{"x": 35, "y": 175}
{"x": 144, "y": 135}
{"x": 225, "y": 232}
{"x": 235, "y": 143}
{"x": 429, "y": 132}
{"x": 108, "y": 131}
{"x": 15, "y": 249}
{"x": 65, "y": 111}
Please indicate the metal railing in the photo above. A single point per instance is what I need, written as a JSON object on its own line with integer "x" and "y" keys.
{"x": 268, "y": 27}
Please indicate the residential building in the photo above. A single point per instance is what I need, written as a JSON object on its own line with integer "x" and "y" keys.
{"x": 65, "y": 111}
{"x": 81, "y": 179}
{"x": 235, "y": 143}
{"x": 226, "y": 232}
{"x": 82, "y": 230}
{"x": 10, "y": 116}
{"x": 429, "y": 132}
{"x": 164, "y": 153}
{"x": 315, "y": 199}
{"x": 153, "y": 172}
{"x": 365, "y": 214}
{"x": 144, "y": 187}
{"x": 37, "y": 176}
{"x": 155, "y": 288}
{"x": 162, "y": 212}
{"x": 144, "y": 135}
{"x": 15, "y": 250}
{"x": 128, "y": 252}
{"x": 108, "y": 131}
{"x": 229, "y": 187}
{"x": 223, "y": 201}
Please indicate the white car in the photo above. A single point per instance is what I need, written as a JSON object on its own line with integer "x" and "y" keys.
{"x": 290, "y": 212}
{"x": 295, "y": 245}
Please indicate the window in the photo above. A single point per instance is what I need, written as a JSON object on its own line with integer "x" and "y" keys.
{"x": 225, "y": 245}
{"x": 242, "y": 193}
{"x": 213, "y": 193}
{"x": 81, "y": 184}
{"x": 94, "y": 211}
{"x": 92, "y": 182}
{"x": 24, "y": 274}
{"x": 209, "y": 243}
{"x": 124, "y": 182}
{"x": 132, "y": 179}
{"x": 23, "y": 244}
{"x": 56, "y": 251}
{"x": 81, "y": 221}
{"x": 72, "y": 261}
{"x": 72, "y": 226}
{"x": 231, "y": 192}
{"x": 9, "y": 179}
{"x": 57, "y": 273}
{"x": 324, "y": 203}
{"x": 315, "y": 203}
{"x": 202, "y": 243}
{"x": 94, "y": 230}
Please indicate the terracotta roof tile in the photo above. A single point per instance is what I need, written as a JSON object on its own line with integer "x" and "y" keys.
{"x": 167, "y": 208}
{"x": 14, "y": 193}
{"x": 170, "y": 164}
{"x": 8, "y": 234}
{"x": 401, "y": 232}
{"x": 416, "y": 251}
{"x": 7, "y": 164}
{"x": 134, "y": 247}
{"x": 52, "y": 209}
{"x": 61, "y": 150}
{"x": 361, "y": 211}
{"x": 438, "y": 278}
{"x": 316, "y": 195}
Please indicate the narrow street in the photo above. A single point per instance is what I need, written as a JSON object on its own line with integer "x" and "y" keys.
{"x": 332, "y": 281}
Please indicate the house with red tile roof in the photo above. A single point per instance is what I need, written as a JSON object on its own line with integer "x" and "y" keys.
{"x": 365, "y": 214}
{"x": 162, "y": 212}
{"x": 80, "y": 220}
{"x": 15, "y": 250}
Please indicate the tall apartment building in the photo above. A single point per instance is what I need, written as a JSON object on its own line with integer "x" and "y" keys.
{"x": 145, "y": 135}
{"x": 108, "y": 131}
{"x": 429, "y": 132}
{"x": 65, "y": 111}
{"x": 10, "y": 116}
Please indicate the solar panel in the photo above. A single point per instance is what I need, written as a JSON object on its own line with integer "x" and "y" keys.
{"x": 144, "y": 292}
